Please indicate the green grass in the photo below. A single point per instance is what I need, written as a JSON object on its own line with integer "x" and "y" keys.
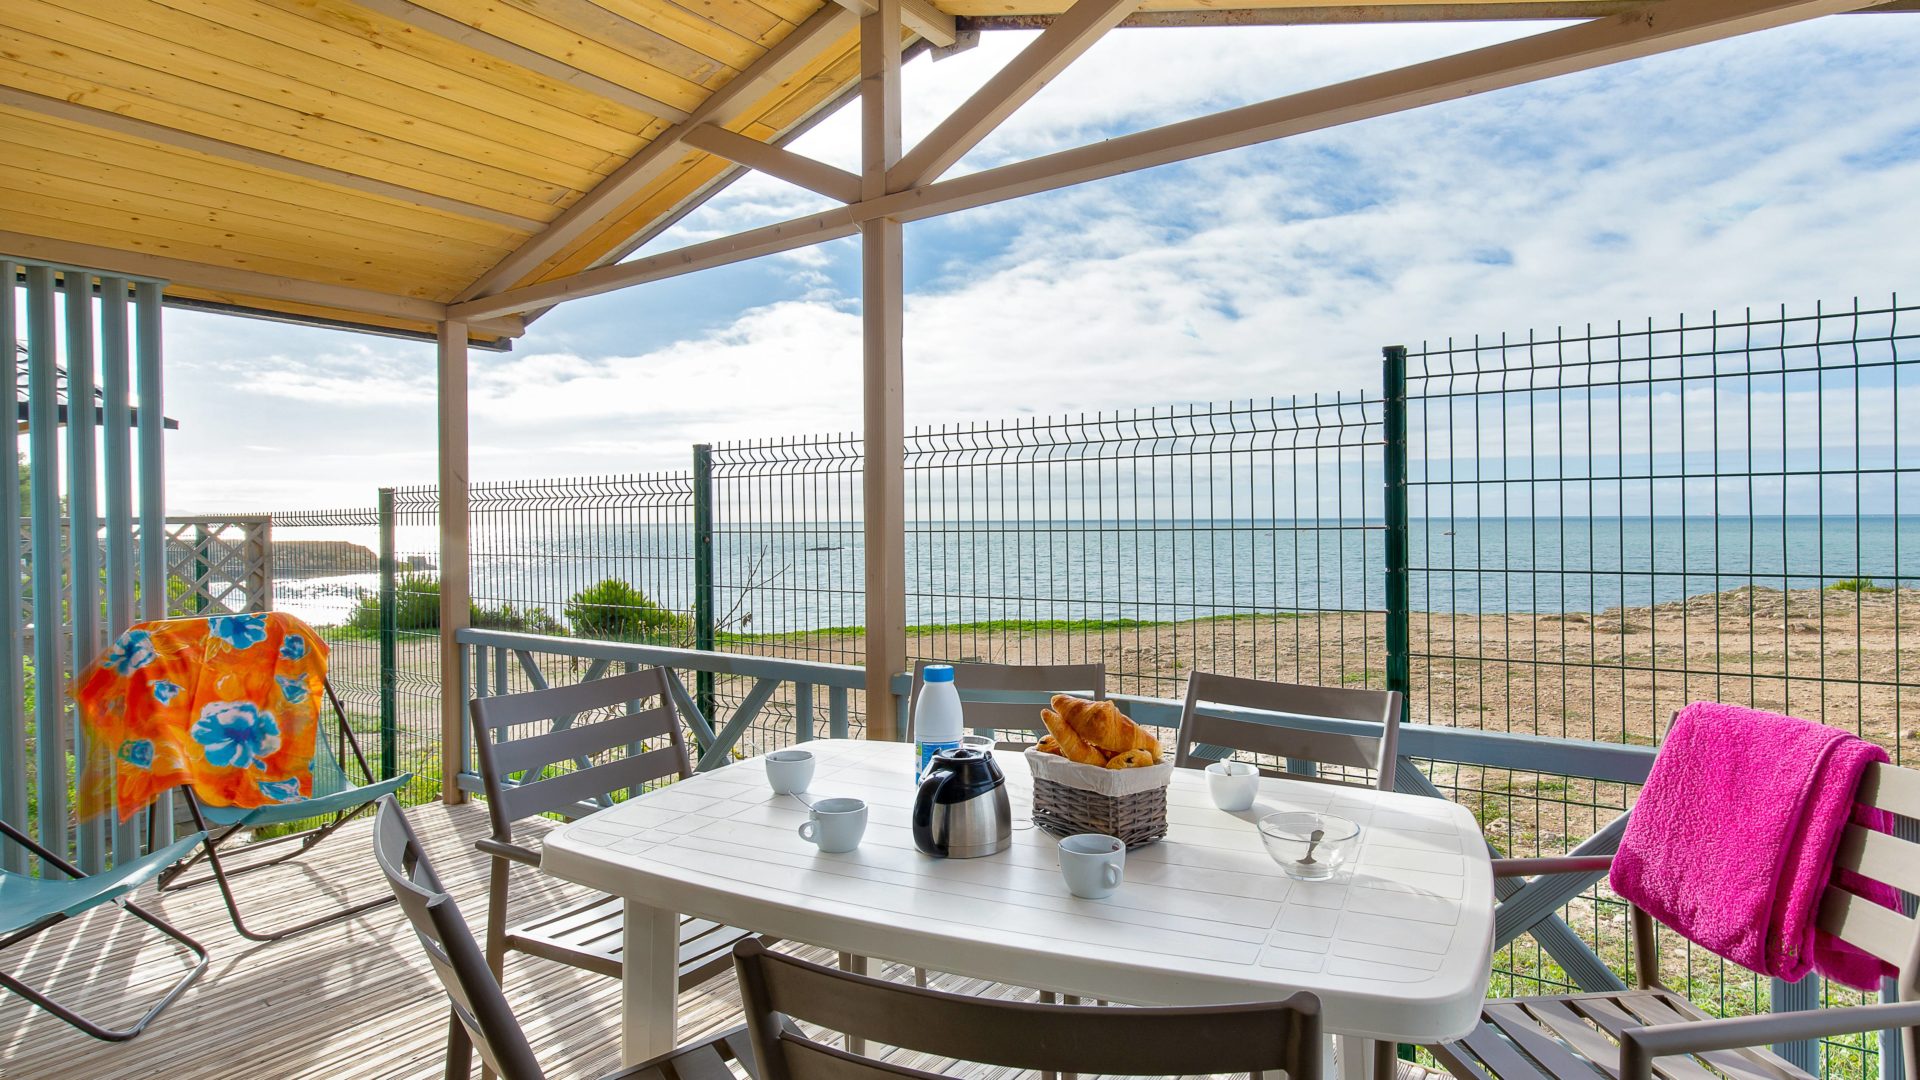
{"x": 1858, "y": 585}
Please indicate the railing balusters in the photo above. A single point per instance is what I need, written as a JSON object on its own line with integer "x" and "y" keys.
{"x": 837, "y": 712}
{"x": 803, "y": 712}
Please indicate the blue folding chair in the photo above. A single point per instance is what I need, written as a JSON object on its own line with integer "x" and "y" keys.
{"x": 29, "y": 905}
{"x": 333, "y": 794}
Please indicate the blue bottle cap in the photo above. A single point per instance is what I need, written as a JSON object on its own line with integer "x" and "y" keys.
{"x": 937, "y": 673}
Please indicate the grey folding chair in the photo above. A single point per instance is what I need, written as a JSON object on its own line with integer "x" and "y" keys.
{"x": 1632, "y": 1034}
{"x": 481, "y": 1017}
{"x": 336, "y": 798}
{"x": 31, "y": 905}
{"x": 1208, "y": 735}
{"x": 518, "y": 737}
{"x": 1009, "y": 697}
{"x": 777, "y": 990}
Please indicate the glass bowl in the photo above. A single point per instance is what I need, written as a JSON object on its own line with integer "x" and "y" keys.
{"x": 1309, "y": 846}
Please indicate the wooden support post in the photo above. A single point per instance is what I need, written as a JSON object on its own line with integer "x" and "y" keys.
{"x": 453, "y": 554}
{"x": 883, "y": 287}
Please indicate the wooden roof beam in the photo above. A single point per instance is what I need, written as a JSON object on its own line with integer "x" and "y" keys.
{"x": 1352, "y": 14}
{"x": 1674, "y": 24}
{"x": 243, "y": 282}
{"x": 480, "y": 41}
{"x": 101, "y": 119}
{"x": 1063, "y": 42}
{"x": 919, "y": 16}
{"x": 752, "y": 244}
{"x": 789, "y": 55}
{"x": 799, "y": 169}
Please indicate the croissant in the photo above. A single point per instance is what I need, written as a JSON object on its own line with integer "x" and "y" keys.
{"x": 1048, "y": 745}
{"x": 1130, "y": 759}
{"x": 1100, "y": 723}
{"x": 1071, "y": 744}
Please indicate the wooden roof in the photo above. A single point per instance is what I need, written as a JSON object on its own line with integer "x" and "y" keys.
{"x": 365, "y": 163}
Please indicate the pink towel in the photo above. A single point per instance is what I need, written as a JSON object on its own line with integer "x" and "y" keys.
{"x": 1732, "y": 841}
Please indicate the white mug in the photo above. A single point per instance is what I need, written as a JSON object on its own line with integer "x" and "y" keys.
{"x": 1093, "y": 864}
{"x": 789, "y": 771}
{"x": 1233, "y": 784}
{"x": 835, "y": 825}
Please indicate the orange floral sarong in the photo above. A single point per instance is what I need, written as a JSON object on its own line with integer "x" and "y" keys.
{"x": 229, "y": 704}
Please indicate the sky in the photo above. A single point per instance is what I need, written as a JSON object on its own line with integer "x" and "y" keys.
{"x": 1775, "y": 168}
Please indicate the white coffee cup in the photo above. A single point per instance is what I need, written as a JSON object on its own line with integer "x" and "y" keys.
{"x": 1093, "y": 864}
{"x": 789, "y": 771}
{"x": 1233, "y": 784}
{"x": 835, "y": 825}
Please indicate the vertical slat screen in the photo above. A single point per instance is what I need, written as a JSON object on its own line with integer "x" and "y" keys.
{"x": 13, "y": 638}
{"x": 152, "y": 478}
{"x": 80, "y": 585}
{"x": 83, "y": 527}
{"x": 43, "y": 455}
{"x": 116, "y": 483}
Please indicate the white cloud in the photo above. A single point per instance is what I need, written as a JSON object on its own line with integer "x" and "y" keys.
{"x": 1773, "y": 168}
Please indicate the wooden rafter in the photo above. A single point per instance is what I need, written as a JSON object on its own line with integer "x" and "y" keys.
{"x": 58, "y": 109}
{"x": 480, "y": 41}
{"x": 752, "y": 244}
{"x": 1071, "y": 35}
{"x": 1673, "y": 25}
{"x": 809, "y": 173}
{"x": 252, "y": 283}
{"x": 789, "y": 55}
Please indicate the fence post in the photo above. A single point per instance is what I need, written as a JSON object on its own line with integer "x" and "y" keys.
{"x": 703, "y": 572}
{"x": 389, "y": 633}
{"x": 1394, "y": 429}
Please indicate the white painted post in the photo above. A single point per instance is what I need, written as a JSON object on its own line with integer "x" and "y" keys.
{"x": 453, "y": 552}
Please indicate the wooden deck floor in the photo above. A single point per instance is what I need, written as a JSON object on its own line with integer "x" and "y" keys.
{"x": 351, "y": 1001}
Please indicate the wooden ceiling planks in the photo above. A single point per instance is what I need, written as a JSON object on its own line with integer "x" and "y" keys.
{"x": 228, "y": 119}
{"x": 786, "y": 105}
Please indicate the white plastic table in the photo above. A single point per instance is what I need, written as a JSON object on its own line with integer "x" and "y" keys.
{"x": 1397, "y": 948}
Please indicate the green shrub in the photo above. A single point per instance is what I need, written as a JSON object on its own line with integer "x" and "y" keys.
{"x": 617, "y": 611}
{"x": 416, "y": 609}
{"x": 1858, "y": 585}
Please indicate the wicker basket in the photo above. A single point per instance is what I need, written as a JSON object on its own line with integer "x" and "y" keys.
{"x": 1070, "y": 798}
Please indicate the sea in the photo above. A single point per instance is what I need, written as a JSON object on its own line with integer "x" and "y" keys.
{"x": 788, "y": 577}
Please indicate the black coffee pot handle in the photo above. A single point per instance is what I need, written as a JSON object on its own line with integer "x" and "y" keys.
{"x": 923, "y": 837}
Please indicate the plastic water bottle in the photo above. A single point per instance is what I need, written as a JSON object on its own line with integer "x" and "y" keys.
{"x": 936, "y": 716}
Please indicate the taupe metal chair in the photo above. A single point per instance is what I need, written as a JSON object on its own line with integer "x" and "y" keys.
{"x": 777, "y": 990}
{"x": 1009, "y": 697}
{"x": 481, "y": 1017}
{"x": 1632, "y": 1034}
{"x": 640, "y": 745}
{"x": 1207, "y": 736}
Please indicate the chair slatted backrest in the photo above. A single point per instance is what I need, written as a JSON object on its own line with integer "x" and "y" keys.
{"x": 778, "y": 989}
{"x": 1893, "y": 936}
{"x": 513, "y": 764}
{"x": 478, "y": 1003}
{"x": 1009, "y": 697}
{"x": 1207, "y": 736}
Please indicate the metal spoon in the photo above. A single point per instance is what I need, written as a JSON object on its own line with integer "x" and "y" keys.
{"x": 1313, "y": 841}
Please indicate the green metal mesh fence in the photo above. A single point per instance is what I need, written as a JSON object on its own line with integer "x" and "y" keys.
{"x": 1609, "y": 523}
